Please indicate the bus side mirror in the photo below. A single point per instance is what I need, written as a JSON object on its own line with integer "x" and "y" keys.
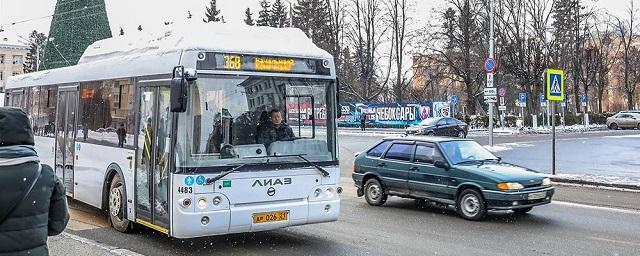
{"x": 178, "y": 90}
{"x": 338, "y": 108}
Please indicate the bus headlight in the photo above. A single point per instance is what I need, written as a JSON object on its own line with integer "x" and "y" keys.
{"x": 328, "y": 193}
{"x": 317, "y": 192}
{"x": 202, "y": 203}
{"x": 217, "y": 200}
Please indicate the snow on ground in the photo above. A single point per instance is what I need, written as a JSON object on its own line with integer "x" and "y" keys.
{"x": 506, "y": 146}
{"x": 624, "y": 136}
{"x": 602, "y": 179}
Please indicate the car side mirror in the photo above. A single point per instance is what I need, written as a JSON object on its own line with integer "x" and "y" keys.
{"x": 441, "y": 164}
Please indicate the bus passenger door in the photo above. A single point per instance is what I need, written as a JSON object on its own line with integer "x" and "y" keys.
{"x": 65, "y": 136}
{"x": 152, "y": 165}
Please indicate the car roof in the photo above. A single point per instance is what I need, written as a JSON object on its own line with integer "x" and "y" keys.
{"x": 432, "y": 139}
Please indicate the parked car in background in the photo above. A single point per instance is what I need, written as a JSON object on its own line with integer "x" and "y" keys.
{"x": 624, "y": 120}
{"x": 448, "y": 172}
{"x": 439, "y": 126}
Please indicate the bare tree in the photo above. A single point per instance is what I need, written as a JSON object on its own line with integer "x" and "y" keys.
{"x": 461, "y": 46}
{"x": 365, "y": 35}
{"x": 627, "y": 29}
{"x": 400, "y": 40}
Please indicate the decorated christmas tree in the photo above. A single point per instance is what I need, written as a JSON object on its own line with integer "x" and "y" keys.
{"x": 76, "y": 24}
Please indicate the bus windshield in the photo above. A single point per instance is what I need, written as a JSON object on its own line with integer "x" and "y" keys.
{"x": 232, "y": 120}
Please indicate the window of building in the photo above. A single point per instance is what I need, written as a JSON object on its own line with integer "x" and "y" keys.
{"x": 17, "y": 59}
{"x": 106, "y": 113}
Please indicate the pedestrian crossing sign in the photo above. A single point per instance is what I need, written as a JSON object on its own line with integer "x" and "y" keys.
{"x": 555, "y": 84}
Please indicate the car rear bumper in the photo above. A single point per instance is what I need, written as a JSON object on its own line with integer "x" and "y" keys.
{"x": 357, "y": 180}
{"x": 500, "y": 200}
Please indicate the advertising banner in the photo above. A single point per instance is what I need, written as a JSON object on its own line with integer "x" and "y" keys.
{"x": 384, "y": 114}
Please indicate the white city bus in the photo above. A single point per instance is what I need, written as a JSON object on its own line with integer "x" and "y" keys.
{"x": 168, "y": 131}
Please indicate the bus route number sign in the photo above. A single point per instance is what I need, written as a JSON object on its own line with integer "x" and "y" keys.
{"x": 232, "y": 62}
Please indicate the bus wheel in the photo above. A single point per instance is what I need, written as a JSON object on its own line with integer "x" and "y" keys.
{"x": 118, "y": 205}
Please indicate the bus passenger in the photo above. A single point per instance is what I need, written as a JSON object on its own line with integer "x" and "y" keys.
{"x": 276, "y": 130}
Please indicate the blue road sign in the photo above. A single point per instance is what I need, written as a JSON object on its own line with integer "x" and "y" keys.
{"x": 523, "y": 97}
{"x": 542, "y": 98}
{"x": 454, "y": 99}
{"x": 583, "y": 98}
{"x": 490, "y": 65}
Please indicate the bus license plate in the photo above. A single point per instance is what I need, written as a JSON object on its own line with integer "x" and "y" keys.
{"x": 539, "y": 195}
{"x": 264, "y": 217}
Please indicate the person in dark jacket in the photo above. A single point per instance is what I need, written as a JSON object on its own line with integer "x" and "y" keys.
{"x": 122, "y": 136}
{"x": 276, "y": 130}
{"x": 26, "y": 219}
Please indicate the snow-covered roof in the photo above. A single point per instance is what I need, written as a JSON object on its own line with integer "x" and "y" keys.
{"x": 157, "y": 52}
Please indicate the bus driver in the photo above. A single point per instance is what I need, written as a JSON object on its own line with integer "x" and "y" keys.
{"x": 275, "y": 131}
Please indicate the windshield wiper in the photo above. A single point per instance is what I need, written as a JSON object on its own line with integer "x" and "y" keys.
{"x": 225, "y": 173}
{"x": 480, "y": 161}
{"x": 324, "y": 172}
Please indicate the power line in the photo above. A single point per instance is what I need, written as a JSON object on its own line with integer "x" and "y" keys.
{"x": 51, "y": 15}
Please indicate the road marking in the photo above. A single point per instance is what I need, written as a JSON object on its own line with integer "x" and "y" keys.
{"x": 112, "y": 249}
{"x": 613, "y": 241}
{"x": 603, "y": 208}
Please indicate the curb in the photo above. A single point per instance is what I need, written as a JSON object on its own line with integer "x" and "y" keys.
{"x": 596, "y": 184}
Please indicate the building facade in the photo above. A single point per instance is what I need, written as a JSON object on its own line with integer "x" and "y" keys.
{"x": 12, "y": 58}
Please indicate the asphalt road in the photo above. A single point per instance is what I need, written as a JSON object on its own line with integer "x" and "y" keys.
{"x": 402, "y": 228}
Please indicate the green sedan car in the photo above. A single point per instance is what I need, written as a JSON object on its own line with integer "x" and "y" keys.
{"x": 451, "y": 172}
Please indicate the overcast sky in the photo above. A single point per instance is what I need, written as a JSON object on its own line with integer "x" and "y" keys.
{"x": 128, "y": 14}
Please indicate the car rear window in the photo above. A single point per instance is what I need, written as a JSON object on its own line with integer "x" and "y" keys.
{"x": 378, "y": 150}
{"x": 399, "y": 151}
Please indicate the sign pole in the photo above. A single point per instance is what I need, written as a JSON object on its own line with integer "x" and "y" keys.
{"x": 492, "y": 7}
{"x": 553, "y": 137}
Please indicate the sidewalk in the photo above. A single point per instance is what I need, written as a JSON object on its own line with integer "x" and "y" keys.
{"x": 69, "y": 244}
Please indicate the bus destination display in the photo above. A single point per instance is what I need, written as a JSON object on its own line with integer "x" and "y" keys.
{"x": 238, "y": 62}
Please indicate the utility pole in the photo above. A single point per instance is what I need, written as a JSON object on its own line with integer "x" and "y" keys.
{"x": 491, "y": 42}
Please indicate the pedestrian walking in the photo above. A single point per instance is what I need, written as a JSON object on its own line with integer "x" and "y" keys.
{"x": 33, "y": 204}
{"x": 363, "y": 121}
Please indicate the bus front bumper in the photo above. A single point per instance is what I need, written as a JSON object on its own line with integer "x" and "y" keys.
{"x": 239, "y": 218}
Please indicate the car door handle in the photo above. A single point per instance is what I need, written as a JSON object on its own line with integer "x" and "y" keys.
{"x": 414, "y": 168}
{"x": 382, "y": 165}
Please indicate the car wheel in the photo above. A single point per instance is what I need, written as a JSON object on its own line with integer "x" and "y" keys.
{"x": 638, "y": 126}
{"x": 461, "y": 134}
{"x": 471, "y": 205}
{"x": 374, "y": 192}
{"x": 118, "y": 205}
{"x": 613, "y": 126}
{"x": 522, "y": 210}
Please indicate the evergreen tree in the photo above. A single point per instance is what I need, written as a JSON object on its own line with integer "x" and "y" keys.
{"x": 189, "y": 16}
{"x": 248, "y": 19}
{"x": 139, "y": 27}
{"x": 121, "y": 31}
{"x": 264, "y": 15}
{"x": 213, "y": 13}
{"x": 312, "y": 17}
{"x": 73, "y": 28}
{"x": 279, "y": 15}
{"x": 37, "y": 43}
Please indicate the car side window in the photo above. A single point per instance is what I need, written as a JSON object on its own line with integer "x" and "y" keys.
{"x": 442, "y": 122}
{"x": 400, "y": 151}
{"x": 451, "y": 121}
{"x": 427, "y": 153}
{"x": 378, "y": 150}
